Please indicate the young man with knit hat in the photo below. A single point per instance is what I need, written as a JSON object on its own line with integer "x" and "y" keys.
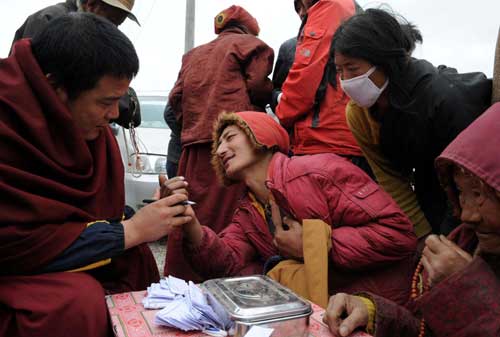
{"x": 366, "y": 240}
{"x": 230, "y": 72}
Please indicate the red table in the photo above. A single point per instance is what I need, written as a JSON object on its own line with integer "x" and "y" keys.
{"x": 130, "y": 319}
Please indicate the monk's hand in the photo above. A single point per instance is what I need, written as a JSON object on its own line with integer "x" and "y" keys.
{"x": 288, "y": 242}
{"x": 156, "y": 220}
{"x": 442, "y": 257}
{"x": 345, "y": 313}
{"x": 175, "y": 185}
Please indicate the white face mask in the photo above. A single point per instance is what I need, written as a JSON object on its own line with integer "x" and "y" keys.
{"x": 362, "y": 90}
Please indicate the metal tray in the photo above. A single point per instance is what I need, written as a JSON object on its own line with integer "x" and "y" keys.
{"x": 259, "y": 300}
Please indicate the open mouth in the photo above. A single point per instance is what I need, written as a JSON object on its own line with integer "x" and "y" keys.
{"x": 226, "y": 160}
{"x": 486, "y": 233}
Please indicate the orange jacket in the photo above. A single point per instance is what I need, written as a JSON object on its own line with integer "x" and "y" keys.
{"x": 295, "y": 110}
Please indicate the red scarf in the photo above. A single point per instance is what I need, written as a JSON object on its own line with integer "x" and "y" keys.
{"x": 52, "y": 181}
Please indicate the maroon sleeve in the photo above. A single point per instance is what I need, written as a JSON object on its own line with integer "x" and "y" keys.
{"x": 465, "y": 304}
{"x": 223, "y": 254}
{"x": 392, "y": 319}
{"x": 259, "y": 66}
{"x": 175, "y": 97}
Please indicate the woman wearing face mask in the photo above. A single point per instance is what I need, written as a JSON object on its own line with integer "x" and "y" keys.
{"x": 403, "y": 111}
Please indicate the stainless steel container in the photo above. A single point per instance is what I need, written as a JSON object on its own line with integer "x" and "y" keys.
{"x": 258, "y": 300}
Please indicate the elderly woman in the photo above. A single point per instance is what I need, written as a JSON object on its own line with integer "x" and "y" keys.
{"x": 456, "y": 287}
{"x": 403, "y": 111}
{"x": 371, "y": 242}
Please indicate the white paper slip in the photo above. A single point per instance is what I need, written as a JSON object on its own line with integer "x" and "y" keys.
{"x": 257, "y": 331}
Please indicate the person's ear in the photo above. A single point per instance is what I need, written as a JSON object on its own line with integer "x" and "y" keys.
{"x": 60, "y": 91}
{"x": 90, "y": 5}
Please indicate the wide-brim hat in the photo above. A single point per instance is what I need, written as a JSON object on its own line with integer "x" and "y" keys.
{"x": 125, "y": 5}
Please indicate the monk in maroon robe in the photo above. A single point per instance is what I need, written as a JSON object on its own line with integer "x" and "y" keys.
{"x": 456, "y": 287}
{"x": 65, "y": 241}
{"x": 229, "y": 73}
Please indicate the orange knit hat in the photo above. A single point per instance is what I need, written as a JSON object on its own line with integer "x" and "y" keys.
{"x": 236, "y": 15}
{"x": 262, "y": 130}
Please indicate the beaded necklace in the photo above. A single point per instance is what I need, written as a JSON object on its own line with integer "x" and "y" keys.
{"x": 418, "y": 287}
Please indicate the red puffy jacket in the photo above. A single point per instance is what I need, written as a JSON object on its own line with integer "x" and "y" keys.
{"x": 328, "y": 131}
{"x": 373, "y": 242}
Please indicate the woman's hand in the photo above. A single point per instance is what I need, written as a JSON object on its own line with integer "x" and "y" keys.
{"x": 441, "y": 258}
{"x": 345, "y": 313}
{"x": 288, "y": 242}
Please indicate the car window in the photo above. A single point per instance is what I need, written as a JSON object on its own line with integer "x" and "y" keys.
{"x": 152, "y": 114}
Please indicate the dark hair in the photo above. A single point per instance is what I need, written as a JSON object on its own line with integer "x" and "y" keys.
{"x": 80, "y": 48}
{"x": 378, "y": 37}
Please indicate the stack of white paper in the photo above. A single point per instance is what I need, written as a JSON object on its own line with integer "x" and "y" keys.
{"x": 186, "y": 307}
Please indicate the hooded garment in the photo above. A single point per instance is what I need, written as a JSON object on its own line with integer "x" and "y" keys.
{"x": 236, "y": 15}
{"x": 467, "y": 303}
{"x": 53, "y": 182}
{"x": 475, "y": 150}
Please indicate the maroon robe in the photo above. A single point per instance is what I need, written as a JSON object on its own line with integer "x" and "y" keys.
{"x": 466, "y": 303}
{"x": 54, "y": 183}
{"x": 226, "y": 74}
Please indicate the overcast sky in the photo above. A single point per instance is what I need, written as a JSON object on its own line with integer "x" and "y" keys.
{"x": 456, "y": 33}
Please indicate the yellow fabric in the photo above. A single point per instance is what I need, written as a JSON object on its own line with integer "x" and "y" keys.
{"x": 310, "y": 278}
{"x": 257, "y": 205}
{"x": 370, "y": 306}
{"x": 366, "y": 130}
{"x": 91, "y": 266}
{"x": 95, "y": 264}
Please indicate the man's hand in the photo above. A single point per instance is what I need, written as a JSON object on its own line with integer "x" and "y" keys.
{"x": 178, "y": 185}
{"x": 441, "y": 258}
{"x": 288, "y": 242}
{"x": 175, "y": 185}
{"x": 156, "y": 220}
{"x": 344, "y": 314}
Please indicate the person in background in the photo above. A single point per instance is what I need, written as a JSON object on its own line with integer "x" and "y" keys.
{"x": 311, "y": 105}
{"x": 65, "y": 241}
{"x": 286, "y": 55}
{"x": 366, "y": 240}
{"x": 284, "y": 61}
{"x": 230, "y": 72}
{"x": 456, "y": 286}
{"x": 174, "y": 144}
{"x": 115, "y": 11}
{"x": 404, "y": 111}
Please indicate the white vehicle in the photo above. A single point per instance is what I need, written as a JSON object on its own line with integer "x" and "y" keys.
{"x": 144, "y": 150}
